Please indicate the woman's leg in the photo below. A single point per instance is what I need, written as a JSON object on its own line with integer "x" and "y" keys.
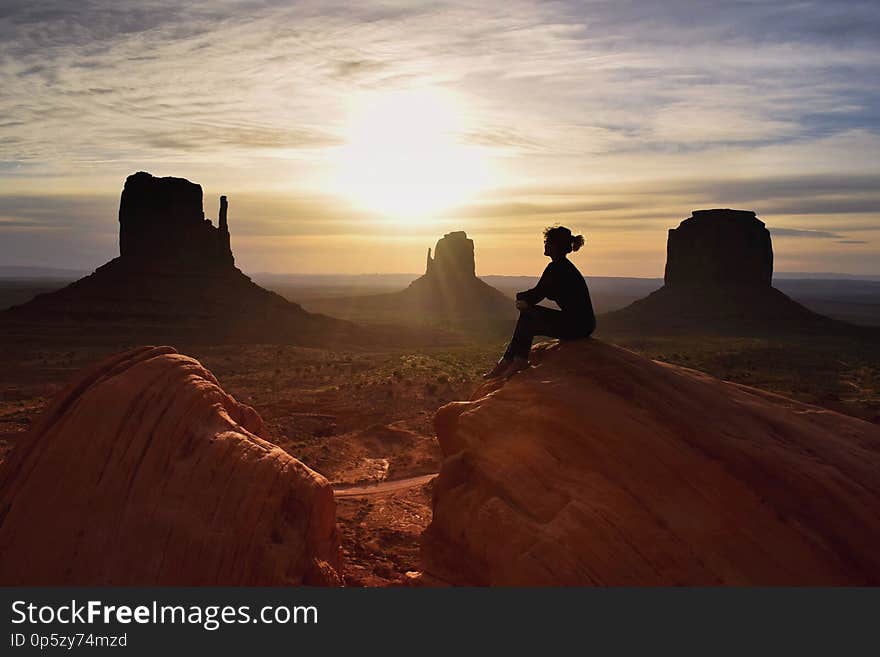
{"x": 523, "y": 333}
{"x": 534, "y": 320}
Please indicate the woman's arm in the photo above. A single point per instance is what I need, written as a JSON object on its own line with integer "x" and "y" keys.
{"x": 540, "y": 290}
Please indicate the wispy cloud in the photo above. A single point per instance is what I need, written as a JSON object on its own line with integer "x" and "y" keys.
{"x": 642, "y": 110}
{"x": 798, "y": 232}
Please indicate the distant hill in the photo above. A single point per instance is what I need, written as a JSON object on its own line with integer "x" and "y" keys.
{"x": 824, "y": 275}
{"x": 848, "y": 297}
{"x": 40, "y": 273}
{"x": 850, "y": 300}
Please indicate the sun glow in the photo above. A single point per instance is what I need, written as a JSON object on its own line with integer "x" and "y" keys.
{"x": 404, "y": 155}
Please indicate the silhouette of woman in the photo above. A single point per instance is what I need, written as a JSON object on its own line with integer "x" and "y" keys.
{"x": 561, "y": 282}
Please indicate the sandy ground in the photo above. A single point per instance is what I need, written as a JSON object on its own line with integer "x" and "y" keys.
{"x": 380, "y": 534}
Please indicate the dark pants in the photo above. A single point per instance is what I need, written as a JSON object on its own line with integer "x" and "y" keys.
{"x": 539, "y": 320}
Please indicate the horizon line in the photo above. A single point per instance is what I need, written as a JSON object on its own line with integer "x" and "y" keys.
{"x": 77, "y": 271}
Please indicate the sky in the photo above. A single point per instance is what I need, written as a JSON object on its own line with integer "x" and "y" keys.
{"x": 350, "y": 136}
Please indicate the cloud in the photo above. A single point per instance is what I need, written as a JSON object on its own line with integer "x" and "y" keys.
{"x": 77, "y": 212}
{"x": 797, "y": 232}
{"x": 643, "y": 111}
{"x": 612, "y": 76}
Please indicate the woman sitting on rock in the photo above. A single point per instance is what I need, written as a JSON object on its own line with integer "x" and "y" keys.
{"x": 561, "y": 282}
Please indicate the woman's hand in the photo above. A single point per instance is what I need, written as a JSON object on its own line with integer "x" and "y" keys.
{"x": 521, "y": 304}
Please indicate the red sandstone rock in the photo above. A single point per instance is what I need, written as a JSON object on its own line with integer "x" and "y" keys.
{"x": 145, "y": 472}
{"x": 598, "y": 466}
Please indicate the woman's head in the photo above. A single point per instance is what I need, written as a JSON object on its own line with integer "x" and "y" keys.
{"x": 559, "y": 241}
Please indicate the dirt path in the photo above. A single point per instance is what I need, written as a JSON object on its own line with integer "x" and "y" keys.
{"x": 365, "y": 490}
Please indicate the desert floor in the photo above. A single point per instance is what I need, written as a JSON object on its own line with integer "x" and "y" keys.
{"x": 357, "y": 417}
{"x": 365, "y": 416}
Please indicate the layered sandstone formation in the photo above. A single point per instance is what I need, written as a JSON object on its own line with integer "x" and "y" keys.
{"x": 175, "y": 278}
{"x": 145, "y": 472}
{"x": 599, "y": 467}
{"x": 719, "y": 267}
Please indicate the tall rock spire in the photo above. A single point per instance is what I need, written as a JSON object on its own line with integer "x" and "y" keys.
{"x": 224, "y": 205}
{"x": 225, "y": 245}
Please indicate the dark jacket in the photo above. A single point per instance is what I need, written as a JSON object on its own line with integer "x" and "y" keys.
{"x": 563, "y": 283}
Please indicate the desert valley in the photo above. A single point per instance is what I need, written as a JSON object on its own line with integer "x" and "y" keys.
{"x": 340, "y": 433}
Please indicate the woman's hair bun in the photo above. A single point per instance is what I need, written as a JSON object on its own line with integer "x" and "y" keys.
{"x": 562, "y": 235}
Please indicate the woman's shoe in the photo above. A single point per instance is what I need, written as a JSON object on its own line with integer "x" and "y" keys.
{"x": 516, "y": 364}
{"x": 499, "y": 368}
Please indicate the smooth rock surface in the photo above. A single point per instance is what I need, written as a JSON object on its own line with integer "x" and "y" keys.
{"x": 145, "y": 472}
{"x": 597, "y": 466}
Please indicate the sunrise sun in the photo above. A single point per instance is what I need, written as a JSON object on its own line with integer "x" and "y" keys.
{"x": 404, "y": 155}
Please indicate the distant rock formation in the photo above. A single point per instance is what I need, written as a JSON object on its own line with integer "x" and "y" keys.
{"x": 719, "y": 268}
{"x": 144, "y": 472}
{"x": 453, "y": 258}
{"x": 450, "y": 289}
{"x": 449, "y": 292}
{"x": 175, "y": 278}
{"x": 162, "y": 219}
{"x": 719, "y": 248}
{"x": 600, "y": 467}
